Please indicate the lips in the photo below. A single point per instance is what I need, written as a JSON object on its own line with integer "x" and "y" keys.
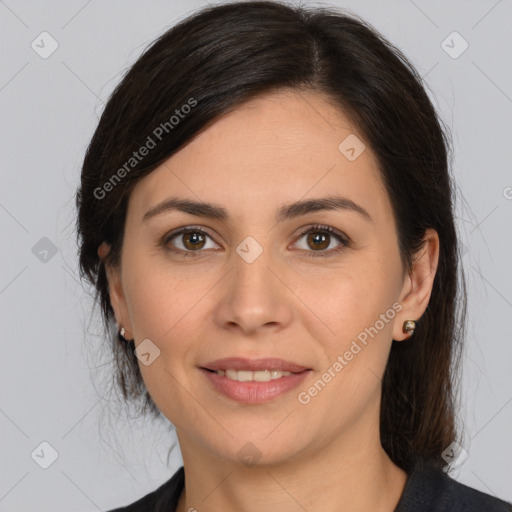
{"x": 254, "y": 365}
{"x": 254, "y": 381}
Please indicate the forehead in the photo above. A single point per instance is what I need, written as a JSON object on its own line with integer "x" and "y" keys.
{"x": 274, "y": 149}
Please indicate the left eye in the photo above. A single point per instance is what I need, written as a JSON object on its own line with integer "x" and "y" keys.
{"x": 319, "y": 238}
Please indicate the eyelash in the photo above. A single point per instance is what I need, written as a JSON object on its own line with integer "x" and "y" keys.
{"x": 343, "y": 239}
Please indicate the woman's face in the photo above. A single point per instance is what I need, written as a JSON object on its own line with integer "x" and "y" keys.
{"x": 247, "y": 281}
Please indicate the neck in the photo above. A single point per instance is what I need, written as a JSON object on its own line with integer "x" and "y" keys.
{"x": 353, "y": 475}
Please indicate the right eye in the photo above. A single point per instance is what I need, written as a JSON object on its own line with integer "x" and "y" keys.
{"x": 187, "y": 240}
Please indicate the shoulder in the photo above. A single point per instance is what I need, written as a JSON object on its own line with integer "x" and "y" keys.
{"x": 458, "y": 496}
{"x": 429, "y": 488}
{"x": 165, "y": 498}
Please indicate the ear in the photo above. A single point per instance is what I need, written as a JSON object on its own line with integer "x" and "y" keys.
{"x": 115, "y": 288}
{"x": 417, "y": 286}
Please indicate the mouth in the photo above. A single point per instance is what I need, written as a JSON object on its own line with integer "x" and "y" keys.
{"x": 254, "y": 365}
{"x": 251, "y": 376}
{"x": 254, "y": 381}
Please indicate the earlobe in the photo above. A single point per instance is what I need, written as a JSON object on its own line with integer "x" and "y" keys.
{"x": 418, "y": 285}
{"x": 103, "y": 251}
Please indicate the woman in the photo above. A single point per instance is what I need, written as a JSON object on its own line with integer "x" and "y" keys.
{"x": 266, "y": 214}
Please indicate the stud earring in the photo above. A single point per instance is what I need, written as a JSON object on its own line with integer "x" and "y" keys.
{"x": 409, "y": 327}
{"x": 121, "y": 334}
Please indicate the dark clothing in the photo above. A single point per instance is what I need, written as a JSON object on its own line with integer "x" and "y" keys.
{"x": 428, "y": 489}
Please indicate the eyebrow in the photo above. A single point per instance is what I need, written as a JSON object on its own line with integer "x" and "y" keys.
{"x": 286, "y": 212}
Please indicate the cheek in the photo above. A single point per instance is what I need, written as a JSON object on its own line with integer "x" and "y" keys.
{"x": 347, "y": 302}
{"x": 160, "y": 297}
{"x": 355, "y": 345}
{"x": 353, "y": 321}
{"x": 165, "y": 309}
{"x": 170, "y": 308}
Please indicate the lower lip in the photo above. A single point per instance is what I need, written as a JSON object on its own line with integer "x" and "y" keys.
{"x": 254, "y": 392}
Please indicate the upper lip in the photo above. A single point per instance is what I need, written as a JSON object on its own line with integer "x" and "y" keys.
{"x": 240, "y": 363}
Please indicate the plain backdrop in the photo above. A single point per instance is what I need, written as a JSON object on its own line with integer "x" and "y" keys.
{"x": 51, "y": 336}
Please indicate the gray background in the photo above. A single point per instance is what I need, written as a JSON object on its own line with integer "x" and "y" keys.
{"x": 51, "y": 335}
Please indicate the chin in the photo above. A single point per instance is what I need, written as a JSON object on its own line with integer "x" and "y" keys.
{"x": 254, "y": 449}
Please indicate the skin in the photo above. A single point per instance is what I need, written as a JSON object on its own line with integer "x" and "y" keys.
{"x": 273, "y": 150}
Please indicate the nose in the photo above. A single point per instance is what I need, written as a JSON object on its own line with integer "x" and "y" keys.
{"x": 255, "y": 296}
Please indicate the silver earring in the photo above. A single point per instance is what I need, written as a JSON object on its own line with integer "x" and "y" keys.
{"x": 122, "y": 332}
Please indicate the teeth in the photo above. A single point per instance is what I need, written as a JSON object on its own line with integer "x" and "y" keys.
{"x": 248, "y": 376}
{"x": 232, "y": 374}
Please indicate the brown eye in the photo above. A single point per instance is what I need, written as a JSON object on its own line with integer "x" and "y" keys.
{"x": 188, "y": 240}
{"x": 193, "y": 240}
{"x": 316, "y": 240}
{"x": 319, "y": 241}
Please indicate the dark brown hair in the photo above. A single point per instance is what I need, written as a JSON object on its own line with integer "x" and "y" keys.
{"x": 227, "y": 54}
